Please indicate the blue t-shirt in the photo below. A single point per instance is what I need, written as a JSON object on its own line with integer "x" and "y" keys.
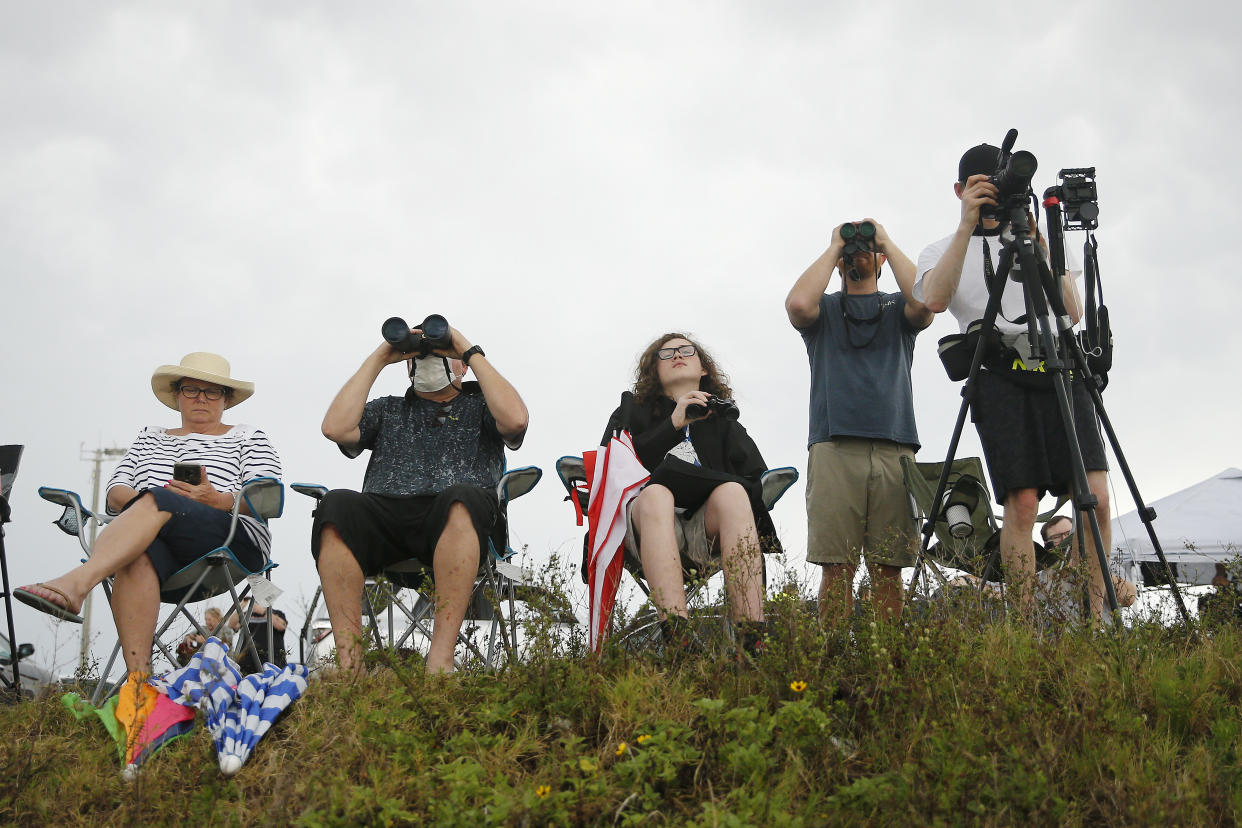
{"x": 860, "y": 369}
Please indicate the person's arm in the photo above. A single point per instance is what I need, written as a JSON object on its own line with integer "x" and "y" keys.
{"x": 918, "y": 315}
{"x": 940, "y": 283}
{"x": 122, "y": 485}
{"x": 118, "y": 495}
{"x": 340, "y": 424}
{"x": 802, "y": 303}
{"x": 503, "y": 401}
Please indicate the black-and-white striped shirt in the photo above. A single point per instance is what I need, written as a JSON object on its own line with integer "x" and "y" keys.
{"x": 240, "y": 454}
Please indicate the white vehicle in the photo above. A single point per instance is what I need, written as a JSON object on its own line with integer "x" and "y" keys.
{"x": 33, "y": 677}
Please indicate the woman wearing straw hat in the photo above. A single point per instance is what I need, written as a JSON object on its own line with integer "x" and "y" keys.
{"x": 163, "y": 524}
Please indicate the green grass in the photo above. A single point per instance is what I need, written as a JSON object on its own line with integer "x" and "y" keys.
{"x": 944, "y": 720}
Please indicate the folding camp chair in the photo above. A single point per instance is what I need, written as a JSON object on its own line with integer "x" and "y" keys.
{"x": 967, "y": 532}
{"x": 10, "y": 682}
{"x": 644, "y": 627}
{"x": 216, "y": 573}
{"x": 492, "y": 602}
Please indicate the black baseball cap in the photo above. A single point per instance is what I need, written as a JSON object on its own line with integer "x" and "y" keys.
{"x": 978, "y": 160}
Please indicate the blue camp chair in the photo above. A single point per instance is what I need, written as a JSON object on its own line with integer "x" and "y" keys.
{"x": 410, "y": 623}
{"x": 216, "y": 573}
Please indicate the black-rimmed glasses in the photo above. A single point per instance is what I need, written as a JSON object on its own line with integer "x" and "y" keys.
{"x": 191, "y": 392}
{"x": 682, "y": 350}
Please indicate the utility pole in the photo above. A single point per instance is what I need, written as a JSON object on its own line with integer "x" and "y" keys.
{"x": 96, "y": 456}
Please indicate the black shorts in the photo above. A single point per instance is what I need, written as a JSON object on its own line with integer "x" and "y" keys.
{"x": 193, "y": 531}
{"x": 1023, "y": 441}
{"x": 381, "y": 530}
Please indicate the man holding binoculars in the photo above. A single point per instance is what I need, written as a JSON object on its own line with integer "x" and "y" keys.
{"x": 860, "y": 343}
{"x": 437, "y": 454}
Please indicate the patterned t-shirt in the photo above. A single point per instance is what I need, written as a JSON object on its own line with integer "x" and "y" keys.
{"x": 420, "y": 447}
{"x": 230, "y": 459}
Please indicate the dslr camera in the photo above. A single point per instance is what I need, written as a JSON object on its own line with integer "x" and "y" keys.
{"x": 435, "y": 334}
{"x": 723, "y": 407}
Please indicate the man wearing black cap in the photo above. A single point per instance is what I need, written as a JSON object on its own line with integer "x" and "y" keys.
{"x": 860, "y": 343}
{"x": 1018, "y": 420}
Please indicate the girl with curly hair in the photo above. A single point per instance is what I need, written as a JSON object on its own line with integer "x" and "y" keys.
{"x": 702, "y": 509}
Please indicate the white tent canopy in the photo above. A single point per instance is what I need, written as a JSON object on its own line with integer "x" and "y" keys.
{"x": 1200, "y": 525}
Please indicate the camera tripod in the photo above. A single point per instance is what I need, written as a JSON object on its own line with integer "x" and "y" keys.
{"x": 1061, "y": 354}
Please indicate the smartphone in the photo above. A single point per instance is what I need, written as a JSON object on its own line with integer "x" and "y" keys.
{"x": 191, "y": 473}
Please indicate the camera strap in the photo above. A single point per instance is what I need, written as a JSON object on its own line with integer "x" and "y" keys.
{"x": 1097, "y": 339}
{"x": 852, "y": 322}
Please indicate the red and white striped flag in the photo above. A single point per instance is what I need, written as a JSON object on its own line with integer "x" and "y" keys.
{"x": 614, "y": 476}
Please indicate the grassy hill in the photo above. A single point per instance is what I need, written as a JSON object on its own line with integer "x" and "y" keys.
{"x": 942, "y": 720}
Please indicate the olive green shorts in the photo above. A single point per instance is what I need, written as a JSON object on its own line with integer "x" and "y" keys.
{"x": 856, "y": 501}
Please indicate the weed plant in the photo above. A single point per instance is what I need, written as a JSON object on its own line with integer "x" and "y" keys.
{"x": 952, "y": 716}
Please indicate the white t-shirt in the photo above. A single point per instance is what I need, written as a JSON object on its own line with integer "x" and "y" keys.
{"x": 971, "y": 298}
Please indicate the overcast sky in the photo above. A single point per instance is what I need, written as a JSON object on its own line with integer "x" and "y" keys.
{"x": 565, "y": 181}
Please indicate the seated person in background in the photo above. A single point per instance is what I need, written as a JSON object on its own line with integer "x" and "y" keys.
{"x": 429, "y": 493}
{"x": 1056, "y": 584}
{"x": 702, "y": 507}
{"x": 257, "y": 631}
{"x": 211, "y": 622}
{"x": 1223, "y": 605}
{"x": 164, "y": 524}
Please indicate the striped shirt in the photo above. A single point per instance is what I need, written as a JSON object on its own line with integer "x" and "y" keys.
{"x": 239, "y": 455}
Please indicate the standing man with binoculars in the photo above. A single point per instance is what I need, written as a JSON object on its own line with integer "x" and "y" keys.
{"x": 437, "y": 454}
{"x": 860, "y": 343}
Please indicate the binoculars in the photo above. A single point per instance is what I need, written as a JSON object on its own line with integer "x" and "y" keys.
{"x": 723, "y": 407}
{"x": 435, "y": 334}
{"x": 859, "y": 237}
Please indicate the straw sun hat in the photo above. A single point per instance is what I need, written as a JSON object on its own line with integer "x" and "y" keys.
{"x": 199, "y": 365}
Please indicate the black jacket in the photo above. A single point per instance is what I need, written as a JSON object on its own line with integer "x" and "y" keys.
{"x": 724, "y": 449}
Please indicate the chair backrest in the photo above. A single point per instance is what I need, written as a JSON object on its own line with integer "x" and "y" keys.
{"x": 265, "y": 497}
{"x": 10, "y": 458}
{"x": 966, "y": 481}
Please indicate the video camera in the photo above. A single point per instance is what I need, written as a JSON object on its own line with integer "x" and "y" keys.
{"x": 1012, "y": 178}
{"x": 435, "y": 334}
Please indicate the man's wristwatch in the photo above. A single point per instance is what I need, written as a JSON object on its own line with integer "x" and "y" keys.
{"x": 471, "y": 351}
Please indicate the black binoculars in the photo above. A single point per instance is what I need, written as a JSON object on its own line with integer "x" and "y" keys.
{"x": 859, "y": 237}
{"x": 435, "y": 334}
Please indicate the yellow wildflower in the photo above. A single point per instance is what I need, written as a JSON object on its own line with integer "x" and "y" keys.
{"x": 797, "y": 686}
{"x": 622, "y": 748}
{"x": 642, "y": 740}
{"x": 543, "y": 790}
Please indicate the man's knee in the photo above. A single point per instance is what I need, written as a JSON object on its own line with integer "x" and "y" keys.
{"x": 1021, "y": 507}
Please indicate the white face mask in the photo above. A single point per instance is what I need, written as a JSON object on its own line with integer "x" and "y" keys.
{"x": 431, "y": 374}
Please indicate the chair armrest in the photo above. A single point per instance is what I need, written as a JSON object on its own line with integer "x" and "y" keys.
{"x": 310, "y": 489}
{"x": 265, "y": 496}
{"x": 775, "y": 483}
{"x": 517, "y": 482}
{"x": 74, "y": 517}
{"x": 572, "y": 472}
